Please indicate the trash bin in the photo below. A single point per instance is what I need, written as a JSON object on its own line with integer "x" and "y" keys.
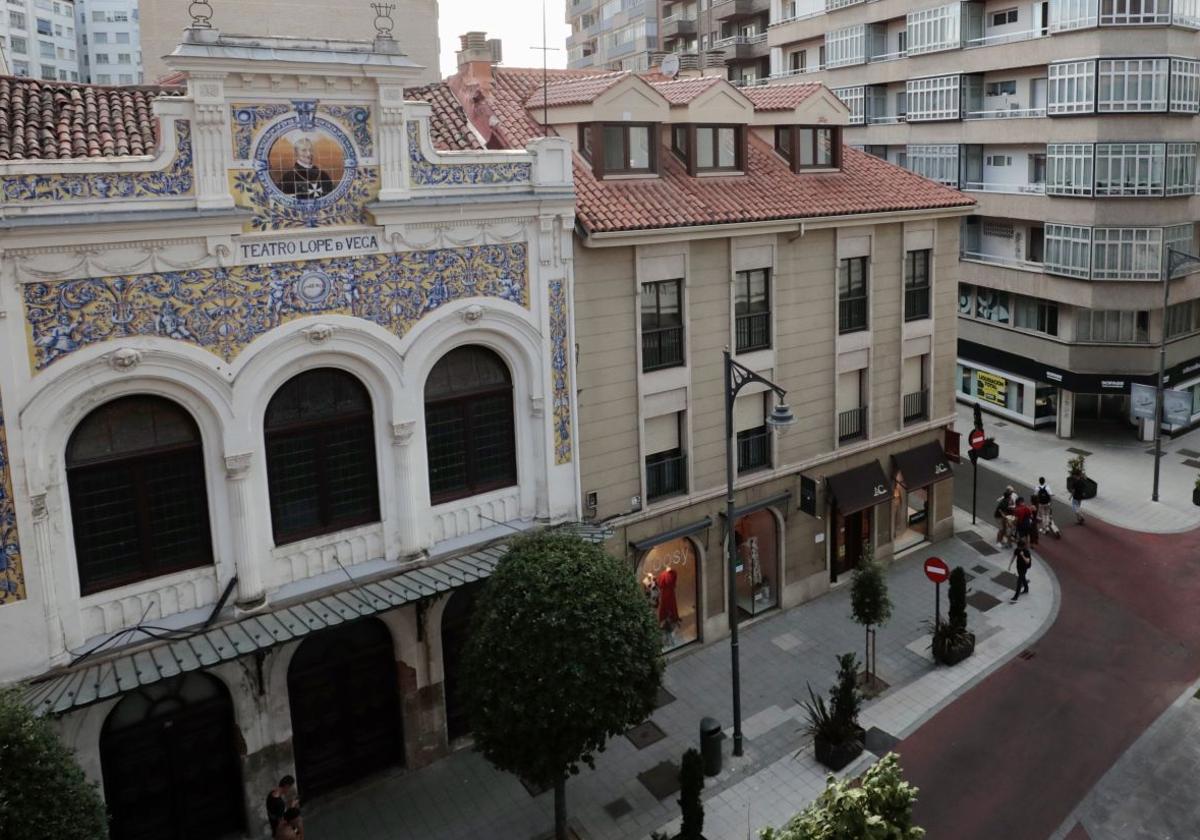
{"x": 710, "y": 745}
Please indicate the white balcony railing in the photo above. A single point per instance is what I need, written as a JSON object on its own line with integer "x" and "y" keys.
{"x": 794, "y": 17}
{"x": 886, "y": 119}
{"x": 1011, "y": 189}
{"x": 1006, "y": 114}
{"x": 892, "y": 56}
{"x": 1006, "y": 38}
{"x": 679, "y": 17}
{"x": 787, "y": 74}
{"x": 997, "y": 259}
{"x": 740, "y": 40}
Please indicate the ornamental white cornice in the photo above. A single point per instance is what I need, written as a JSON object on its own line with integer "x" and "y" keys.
{"x": 114, "y": 259}
{"x": 424, "y": 235}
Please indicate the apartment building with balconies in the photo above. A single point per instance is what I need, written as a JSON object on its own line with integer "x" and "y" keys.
{"x": 612, "y": 34}
{"x": 1073, "y": 124}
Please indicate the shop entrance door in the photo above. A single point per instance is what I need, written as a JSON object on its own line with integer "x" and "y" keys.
{"x": 851, "y": 533}
{"x": 911, "y": 513}
{"x": 456, "y": 619}
{"x": 170, "y": 763}
{"x": 345, "y": 705}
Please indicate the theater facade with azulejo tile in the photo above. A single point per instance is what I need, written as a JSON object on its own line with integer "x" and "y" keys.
{"x": 288, "y": 354}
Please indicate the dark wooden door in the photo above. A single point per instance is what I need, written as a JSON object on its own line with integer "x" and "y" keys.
{"x": 345, "y": 705}
{"x": 850, "y": 534}
{"x": 175, "y": 773}
{"x": 456, "y": 620}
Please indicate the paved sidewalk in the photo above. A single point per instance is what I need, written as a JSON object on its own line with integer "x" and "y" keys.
{"x": 462, "y": 796}
{"x": 1122, "y": 465}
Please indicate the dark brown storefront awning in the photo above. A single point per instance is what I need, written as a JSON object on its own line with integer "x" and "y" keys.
{"x": 922, "y": 466}
{"x": 860, "y": 488}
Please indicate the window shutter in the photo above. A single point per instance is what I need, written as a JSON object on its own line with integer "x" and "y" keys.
{"x": 748, "y": 412}
{"x": 662, "y": 433}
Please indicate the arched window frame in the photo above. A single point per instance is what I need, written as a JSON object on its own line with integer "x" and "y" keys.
{"x": 462, "y": 406}
{"x": 321, "y": 432}
{"x": 122, "y": 481}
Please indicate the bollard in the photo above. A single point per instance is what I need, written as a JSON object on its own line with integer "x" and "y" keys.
{"x": 710, "y": 745}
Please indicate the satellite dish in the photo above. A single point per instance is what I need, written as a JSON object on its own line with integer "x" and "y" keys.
{"x": 670, "y": 66}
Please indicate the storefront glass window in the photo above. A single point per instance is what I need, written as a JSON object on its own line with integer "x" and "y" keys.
{"x": 668, "y": 575}
{"x": 910, "y": 513}
{"x": 1045, "y": 402}
{"x": 756, "y": 540}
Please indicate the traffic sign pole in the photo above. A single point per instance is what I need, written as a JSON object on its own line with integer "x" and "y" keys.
{"x": 937, "y": 571}
{"x": 937, "y": 605}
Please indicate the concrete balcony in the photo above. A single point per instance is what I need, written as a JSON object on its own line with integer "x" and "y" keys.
{"x": 733, "y": 9}
{"x": 744, "y": 47}
{"x": 678, "y": 26}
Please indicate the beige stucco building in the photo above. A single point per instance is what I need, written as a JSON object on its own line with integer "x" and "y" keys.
{"x": 1074, "y": 126}
{"x": 415, "y": 28}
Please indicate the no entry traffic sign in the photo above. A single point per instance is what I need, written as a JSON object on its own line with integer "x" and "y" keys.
{"x": 936, "y": 570}
{"x": 976, "y": 438}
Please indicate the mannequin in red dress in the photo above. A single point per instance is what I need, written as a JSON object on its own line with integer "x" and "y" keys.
{"x": 668, "y": 610}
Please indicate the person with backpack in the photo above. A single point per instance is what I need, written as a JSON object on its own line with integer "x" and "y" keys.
{"x": 1026, "y": 521}
{"x": 1003, "y": 514}
{"x": 1024, "y": 560}
{"x": 1043, "y": 496}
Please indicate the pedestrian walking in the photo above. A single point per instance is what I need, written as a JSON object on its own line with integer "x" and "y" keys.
{"x": 290, "y": 827}
{"x": 1043, "y": 496}
{"x": 281, "y": 798}
{"x": 1024, "y": 560}
{"x": 1003, "y": 515}
{"x": 1077, "y": 489}
{"x": 1026, "y": 521}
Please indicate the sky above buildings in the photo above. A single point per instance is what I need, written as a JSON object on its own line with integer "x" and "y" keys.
{"x": 517, "y": 23}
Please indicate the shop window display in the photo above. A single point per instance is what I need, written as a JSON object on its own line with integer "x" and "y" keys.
{"x": 756, "y": 541}
{"x": 668, "y": 575}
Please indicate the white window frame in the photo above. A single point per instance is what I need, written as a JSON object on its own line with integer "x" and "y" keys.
{"x": 1185, "y": 85}
{"x": 1186, "y": 13}
{"x": 933, "y": 98}
{"x": 830, "y": 5}
{"x": 1072, "y": 14}
{"x": 846, "y": 46}
{"x": 1116, "y": 326}
{"x": 1134, "y": 12}
{"x": 1067, "y": 250}
{"x": 1121, "y": 85}
{"x": 1069, "y": 168}
{"x": 1071, "y": 87}
{"x": 1130, "y": 169}
{"x": 934, "y": 30}
{"x": 1126, "y": 253}
{"x": 1181, "y": 169}
{"x": 937, "y": 162}
{"x": 854, "y": 99}
{"x": 1180, "y": 237}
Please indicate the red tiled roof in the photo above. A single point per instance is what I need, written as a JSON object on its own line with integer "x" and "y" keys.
{"x": 780, "y": 97}
{"x": 42, "y": 120}
{"x": 769, "y": 190}
{"x": 448, "y": 127}
{"x": 578, "y": 91}
{"x": 683, "y": 91}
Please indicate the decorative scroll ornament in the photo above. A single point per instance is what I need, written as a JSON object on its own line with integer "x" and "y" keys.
{"x": 318, "y": 333}
{"x": 383, "y": 18}
{"x": 124, "y": 359}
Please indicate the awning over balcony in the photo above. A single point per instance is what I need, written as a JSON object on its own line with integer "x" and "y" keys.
{"x": 95, "y": 680}
{"x": 860, "y": 488}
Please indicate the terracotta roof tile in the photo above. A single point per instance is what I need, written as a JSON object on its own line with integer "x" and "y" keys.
{"x": 577, "y": 91}
{"x": 780, "y": 97}
{"x": 43, "y": 120}
{"x": 683, "y": 91}
{"x": 769, "y": 190}
{"x": 448, "y": 128}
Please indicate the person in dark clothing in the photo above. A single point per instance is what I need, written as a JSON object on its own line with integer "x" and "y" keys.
{"x": 291, "y": 827}
{"x": 280, "y": 799}
{"x": 305, "y": 179}
{"x": 1024, "y": 560}
{"x": 1077, "y": 489}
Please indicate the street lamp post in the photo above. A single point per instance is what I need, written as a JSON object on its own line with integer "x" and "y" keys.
{"x": 736, "y": 377}
{"x": 1174, "y": 261}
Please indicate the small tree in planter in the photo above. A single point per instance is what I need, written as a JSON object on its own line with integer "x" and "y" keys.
{"x": 952, "y": 642}
{"x": 1196, "y": 492}
{"x": 691, "y": 785}
{"x": 1077, "y": 471}
{"x": 870, "y": 606}
{"x": 837, "y": 737}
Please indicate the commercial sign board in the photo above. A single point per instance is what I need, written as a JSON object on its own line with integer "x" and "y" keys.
{"x": 1177, "y": 405}
{"x": 991, "y": 388}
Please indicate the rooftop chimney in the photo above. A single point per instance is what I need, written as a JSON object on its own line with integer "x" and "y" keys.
{"x": 476, "y": 58}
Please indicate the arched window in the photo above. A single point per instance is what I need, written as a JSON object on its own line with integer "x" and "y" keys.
{"x": 135, "y": 474}
{"x": 320, "y": 456}
{"x": 469, "y": 424}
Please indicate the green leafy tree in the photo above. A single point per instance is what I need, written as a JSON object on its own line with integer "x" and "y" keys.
{"x": 880, "y": 808}
{"x": 869, "y": 602}
{"x": 563, "y": 655}
{"x": 691, "y": 785}
{"x": 43, "y": 793}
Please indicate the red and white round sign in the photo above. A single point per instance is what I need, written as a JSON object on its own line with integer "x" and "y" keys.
{"x": 936, "y": 570}
{"x": 976, "y": 438}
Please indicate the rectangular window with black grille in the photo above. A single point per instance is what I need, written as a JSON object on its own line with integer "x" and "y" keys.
{"x": 666, "y": 474}
{"x": 662, "y": 324}
{"x": 916, "y": 285}
{"x": 852, "y": 295}
{"x": 754, "y": 449}
{"x": 752, "y": 309}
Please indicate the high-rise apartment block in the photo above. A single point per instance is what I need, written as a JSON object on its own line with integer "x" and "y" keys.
{"x": 110, "y": 51}
{"x": 38, "y": 38}
{"x": 617, "y": 34}
{"x": 1073, "y": 123}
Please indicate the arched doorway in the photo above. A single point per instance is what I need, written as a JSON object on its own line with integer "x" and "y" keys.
{"x": 345, "y": 705}
{"x": 456, "y": 621}
{"x": 169, "y": 757}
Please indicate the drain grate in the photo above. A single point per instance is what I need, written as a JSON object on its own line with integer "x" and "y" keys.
{"x": 618, "y": 808}
{"x": 661, "y": 780}
{"x": 1026, "y": 655}
{"x": 1075, "y": 451}
{"x": 1192, "y": 462}
{"x": 1187, "y": 453}
{"x": 983, "y": 570}
{"x": 645, "y": 734}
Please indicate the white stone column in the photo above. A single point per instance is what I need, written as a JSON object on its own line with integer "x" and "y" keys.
{"x": 55, "y": 634}
{"x": 210, "y": 139}
{"x": 242, "y": 522}
{"x": 412, "y": 538}
{"x": 392, "y": 144}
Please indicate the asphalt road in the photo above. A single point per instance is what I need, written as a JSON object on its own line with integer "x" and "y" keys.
{"x": 1012, "y": 758}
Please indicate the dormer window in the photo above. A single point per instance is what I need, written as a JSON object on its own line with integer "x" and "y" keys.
{"x": 710, "y": 148}
{"x": 619, "y": 148}
{"x": 809, "y": 147}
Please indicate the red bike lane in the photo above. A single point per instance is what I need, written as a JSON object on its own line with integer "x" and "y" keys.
{"x": 1014, "y": 756}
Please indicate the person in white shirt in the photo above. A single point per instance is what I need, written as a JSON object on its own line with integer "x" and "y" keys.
{"x": 1042, "y": 495}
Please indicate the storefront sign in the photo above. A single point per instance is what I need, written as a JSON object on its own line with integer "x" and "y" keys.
{"x": 1115, "y": 384}
{"x": 1142, "y": 399}
{"x": 1053, "y": 377}
{"x": 312, "y": 246}
{"x": 1177, "y": 405}
{"x": 991, "y": 388}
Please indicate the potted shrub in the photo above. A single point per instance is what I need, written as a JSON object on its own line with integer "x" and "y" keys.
{"x": 691, "y": 784}
{"x": 1196, "y": 492}
{"x": 990, "y": 449}
{"x": 837, "y": 737}
{"x": 1077, "y": 471}
{"x": 952, "y": 641}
